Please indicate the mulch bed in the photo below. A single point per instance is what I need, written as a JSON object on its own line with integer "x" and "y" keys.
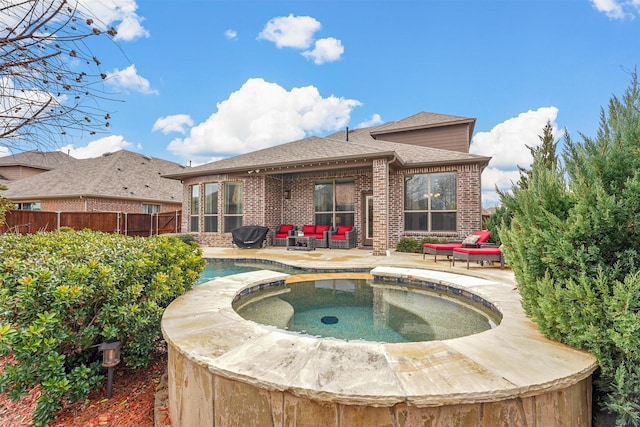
{"x": 131, "y": 404}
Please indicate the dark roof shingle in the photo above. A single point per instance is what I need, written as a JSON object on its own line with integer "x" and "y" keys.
{"x": 122, "y": 174}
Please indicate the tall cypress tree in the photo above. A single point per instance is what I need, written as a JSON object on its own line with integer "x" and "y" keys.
{"x": 573, "y": 246}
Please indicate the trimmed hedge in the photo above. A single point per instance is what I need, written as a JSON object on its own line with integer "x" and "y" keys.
{"x": 63, "y": 293}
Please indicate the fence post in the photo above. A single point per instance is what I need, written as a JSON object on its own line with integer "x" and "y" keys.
{"x": 126, "y": 225}
{"x": 118, "y": 218}
{"x": 177, "y": 221}
{"x": 151, "y": 224}
{"x": 58, "y": 225}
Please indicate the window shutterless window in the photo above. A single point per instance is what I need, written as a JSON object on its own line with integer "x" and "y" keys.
{"x": 195, "y": 208}
{"x": 233, "y": 207}
{"x": 211, "y": 208}
{"x": 334, "y": 202}
{"x": 430, "y": 202}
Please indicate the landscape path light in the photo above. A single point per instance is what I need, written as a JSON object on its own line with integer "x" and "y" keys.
{"x": 110, "y": 359}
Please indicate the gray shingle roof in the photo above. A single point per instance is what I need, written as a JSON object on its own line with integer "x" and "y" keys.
{"x": 46, "y": 160}
{"x": 123, "y": 175}
{"x": 335, "y": 147}
{"x": 420, "y": 120}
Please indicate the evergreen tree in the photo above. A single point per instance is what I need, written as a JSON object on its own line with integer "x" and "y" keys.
{"x": 573, "y": 246}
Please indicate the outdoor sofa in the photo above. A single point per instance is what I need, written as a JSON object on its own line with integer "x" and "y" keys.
{"x": 320, "y": 232}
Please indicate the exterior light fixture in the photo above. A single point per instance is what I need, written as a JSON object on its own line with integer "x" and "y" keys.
{"x": 110, "y": 359}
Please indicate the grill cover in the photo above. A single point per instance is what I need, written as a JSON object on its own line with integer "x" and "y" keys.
{"x": 249, "y": 236}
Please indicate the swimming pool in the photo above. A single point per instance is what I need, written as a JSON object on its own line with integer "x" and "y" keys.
{"x": 216, "y": 268}
{"x": 358, "y": 309}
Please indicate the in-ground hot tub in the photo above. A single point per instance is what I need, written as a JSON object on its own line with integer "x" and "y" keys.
{"x": 228, "y": 371}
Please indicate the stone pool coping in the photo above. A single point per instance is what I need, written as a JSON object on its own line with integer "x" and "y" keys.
{"x": 511, "y": 360}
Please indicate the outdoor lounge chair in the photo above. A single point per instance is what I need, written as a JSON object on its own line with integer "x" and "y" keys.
{"x": 436, "y": 249}
{"x": 344, "y": 237}
{"x": 281, "y": 234}
{"x": 482, "y": 254}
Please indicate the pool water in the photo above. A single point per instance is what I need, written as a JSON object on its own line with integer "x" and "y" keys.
{"x": 216, "y": 268}
{"x": 353, "y": 309}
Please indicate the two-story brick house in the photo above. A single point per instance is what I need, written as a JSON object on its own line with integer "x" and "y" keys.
{"x": 413, "y": 177}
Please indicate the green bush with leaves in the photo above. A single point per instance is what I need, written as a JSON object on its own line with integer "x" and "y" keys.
{"x": 407, "y": 244}
{"x": 63, "y": 293}
{"x": 498, "y": 219}
{"x": 573, "y": 244}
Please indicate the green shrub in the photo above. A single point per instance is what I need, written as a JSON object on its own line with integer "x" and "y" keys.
{"x": 63, "y": 293}
{"x": 573, "y": 246}
{"x": 407, "y": 244}
{"x": 185, "y": 237}
{"x": 500, "y": 218}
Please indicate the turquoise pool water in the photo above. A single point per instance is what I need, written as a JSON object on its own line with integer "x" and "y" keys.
{"x": 364, "y": 311}
{"x": 220, "y": 268}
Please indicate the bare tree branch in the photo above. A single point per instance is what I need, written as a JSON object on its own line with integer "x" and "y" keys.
{"x": 51, "y": 85}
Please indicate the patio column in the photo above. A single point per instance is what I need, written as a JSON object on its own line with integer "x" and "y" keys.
{"x": 380, "y": 207}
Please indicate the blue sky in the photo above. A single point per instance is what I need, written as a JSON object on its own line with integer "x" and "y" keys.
{"x": 204, "y": 80}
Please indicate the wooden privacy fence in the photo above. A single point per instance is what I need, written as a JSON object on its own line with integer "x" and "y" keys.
{"x": 130, "y": 224}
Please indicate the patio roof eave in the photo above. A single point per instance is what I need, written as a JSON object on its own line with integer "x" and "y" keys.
{"x": 337, "y": 162}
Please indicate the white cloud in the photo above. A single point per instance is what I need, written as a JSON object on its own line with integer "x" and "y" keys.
{"x": 326, "y": 50}
{"x": 375, "y": 119}
{"x": 120, "y": 14}
{"x": 298, "y": 32}
{"x": 290, "y": 31}
{"x": 96, "y": 148}
{"x": 128, "y": 79}
{"x": 231, "y": 34}
{"x": 4, "y": 151}
{"x": 617, "y": 9}
{"x": 260, "y": 115}
{"x": 507, "y": 144}
{"x": 174, "y": 123}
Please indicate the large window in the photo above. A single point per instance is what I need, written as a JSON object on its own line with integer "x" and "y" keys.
{"x": 430, "y": 202}
{"x": 211, "y": 208}
{"x": 335, "y": 202}
{"x": 195, "y": 209}
{"x": 232, "y": 206}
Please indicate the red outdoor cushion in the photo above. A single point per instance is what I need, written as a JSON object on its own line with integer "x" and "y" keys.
{"x": 484, "y": 236}
{"x": 342, "y": 229}
{"x": 285, "y": 228}
{"x": 320, "y": 229}
{"x": 442, "y": 246}
{"x": 308, "y": 229}
{"x": 282, "y": 235}
{"x": 339, "y": 237}
{"x": 489, "y": 250}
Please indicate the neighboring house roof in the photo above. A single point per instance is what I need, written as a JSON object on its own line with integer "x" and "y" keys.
{"x": 334, "y": 149}
{"x": 46, "y": 160}
{"x": 121, "y": 175}
{"x": 422, "y": 120}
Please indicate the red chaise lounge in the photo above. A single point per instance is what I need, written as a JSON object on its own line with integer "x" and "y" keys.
{"x": 483, "y": 254}
{"x": 436, "y": 249}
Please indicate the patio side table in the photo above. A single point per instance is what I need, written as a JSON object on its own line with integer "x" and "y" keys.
{"x": 301, "y": 243}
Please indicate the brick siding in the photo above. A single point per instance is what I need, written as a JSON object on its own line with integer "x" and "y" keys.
{"x": 264, "y": 202}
